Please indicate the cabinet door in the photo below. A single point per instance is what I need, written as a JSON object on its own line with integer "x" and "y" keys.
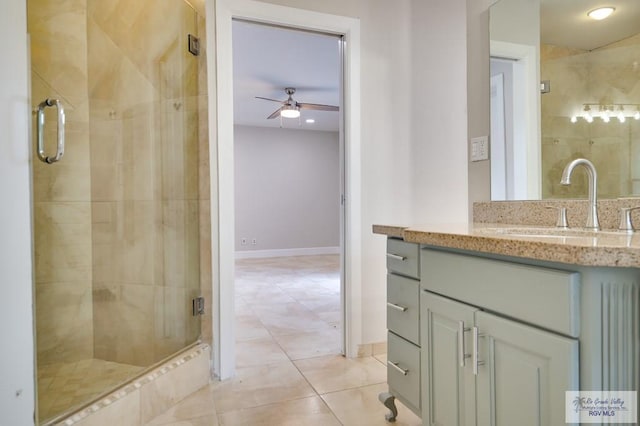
{"x": 524, "y": 373}
{"x": 448, "y": 382}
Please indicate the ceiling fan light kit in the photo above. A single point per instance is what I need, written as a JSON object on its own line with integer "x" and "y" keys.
{"x": 288, "y": 111}
{"x": 291, "y": 108}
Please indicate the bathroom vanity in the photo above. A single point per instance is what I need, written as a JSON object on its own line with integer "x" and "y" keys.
{"x": 492, "y": 323}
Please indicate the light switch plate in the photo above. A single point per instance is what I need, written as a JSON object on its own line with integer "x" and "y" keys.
{"x": 480, "y": 148}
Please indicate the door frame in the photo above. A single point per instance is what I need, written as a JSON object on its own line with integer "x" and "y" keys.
{"x": 526, "y": 115}
{"x": 220, "y": 14}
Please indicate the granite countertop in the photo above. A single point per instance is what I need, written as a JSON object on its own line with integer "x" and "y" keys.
{"x": 574, "y": 246}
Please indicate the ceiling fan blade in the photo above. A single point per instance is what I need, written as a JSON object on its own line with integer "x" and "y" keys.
{"x": 275, "y": 114}
{"x": 269, "y": 99}
{"x": 318, "y": 107}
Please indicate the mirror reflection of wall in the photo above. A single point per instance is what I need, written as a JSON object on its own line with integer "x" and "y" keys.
{"x": 515, "y": 112}
{"x": 603, "y": 86}
{"x": 593, "y": 65}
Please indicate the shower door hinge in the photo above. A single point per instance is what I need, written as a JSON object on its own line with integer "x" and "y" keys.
{"x": 545, "y": 86}
{"x": 198, "y": 306}
{"x": 194, "y": 45}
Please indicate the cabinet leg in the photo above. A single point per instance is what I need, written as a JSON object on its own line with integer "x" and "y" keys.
{"x": 389, "y": 401}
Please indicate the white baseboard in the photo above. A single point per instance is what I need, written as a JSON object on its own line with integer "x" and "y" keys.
{"x": 251, "y": 254}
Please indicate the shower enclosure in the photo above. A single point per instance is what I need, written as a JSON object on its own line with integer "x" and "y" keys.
{"x": 118, "y": 223}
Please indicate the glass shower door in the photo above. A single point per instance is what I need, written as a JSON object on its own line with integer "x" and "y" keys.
{"x": 116, "y": 219}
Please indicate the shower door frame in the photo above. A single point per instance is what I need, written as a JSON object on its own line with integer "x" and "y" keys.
{"x": 220, "y": 14}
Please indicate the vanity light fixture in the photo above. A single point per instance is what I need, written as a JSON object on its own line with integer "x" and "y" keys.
{"x": 289, "y": 111}
{"x": 601, "y": 13}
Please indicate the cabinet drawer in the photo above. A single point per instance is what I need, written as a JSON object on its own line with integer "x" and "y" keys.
{"x": 403, "y": 370}
{"x": 403, "y": 258}
{"x": 545, "y": 297}
{"x": 403, "y": 307}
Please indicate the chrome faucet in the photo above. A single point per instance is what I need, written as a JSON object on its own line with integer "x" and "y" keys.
{"x": 592, "y": 214}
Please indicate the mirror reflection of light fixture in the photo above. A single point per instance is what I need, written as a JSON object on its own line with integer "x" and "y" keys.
{"x": 289, "y": 111}
{"x": 608, "y": 111}
{"x": 587, "y": 114}
{"x": 601, "y": 13}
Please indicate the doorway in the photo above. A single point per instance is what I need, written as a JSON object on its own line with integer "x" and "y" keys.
{"x": 288, "y": 187}
{"x": 223, "y": 158}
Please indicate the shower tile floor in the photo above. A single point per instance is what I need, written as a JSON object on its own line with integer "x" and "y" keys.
{"x": 65, "y": 385}
{"x": 289, "y": 370}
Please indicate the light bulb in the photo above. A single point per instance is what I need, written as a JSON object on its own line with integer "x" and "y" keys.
{"x": 605, "y": 118}
{"x": 621, "y": 117}
{"x": 289, "y": 112}
{"x": 588, "y": 118}
{"x": 637, "y": 115}
{"x": 601, "y": 13}
{"x": 574, "y": 119}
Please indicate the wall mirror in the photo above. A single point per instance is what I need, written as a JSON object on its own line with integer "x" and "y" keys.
{"x": 563, "y": 86}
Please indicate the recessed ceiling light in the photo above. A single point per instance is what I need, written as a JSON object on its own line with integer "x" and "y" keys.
{"x": 601, "y": 13}
{"x": 310, "y": 120}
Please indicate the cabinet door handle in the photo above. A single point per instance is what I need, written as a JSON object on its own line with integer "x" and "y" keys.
{"x": 394, "y": 365}
{"x": 396, "y": 257}
{"x": 397, "y": 307}
{"x": 461, "y": 354}
{"x": 474, "y": 353}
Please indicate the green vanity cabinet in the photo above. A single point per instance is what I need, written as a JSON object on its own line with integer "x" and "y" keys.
{"x": 489, "y": 356}
{"x": 449, "y": 385}
{"x": 481, "y": 339}
{"x": 525, "y": 373}
{"x": 403, "y": 324}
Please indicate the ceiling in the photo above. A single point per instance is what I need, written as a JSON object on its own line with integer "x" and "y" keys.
{"x": 267, "y": 59}
{"x": 565, "y": 23}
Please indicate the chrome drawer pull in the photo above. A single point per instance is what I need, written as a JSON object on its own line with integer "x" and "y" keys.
{"x": 474, "y": 354}
{"x": 462, "y": 355}
{"x": 397, "y": 307}
{"x": 396, "y": 257}
{"x": 394, "y": 365}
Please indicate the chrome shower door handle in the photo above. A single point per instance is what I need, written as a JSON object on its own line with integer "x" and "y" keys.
{"x": 40, "y": 131}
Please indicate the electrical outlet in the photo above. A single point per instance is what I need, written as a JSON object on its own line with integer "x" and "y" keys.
{"x": 254, "y": 241}
{"x": 480, "y": 148}
{"x": 243, "y": 241}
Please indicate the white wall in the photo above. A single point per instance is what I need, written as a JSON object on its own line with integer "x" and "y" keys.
{"x": 287, "y": 188}
{"x": 439, "y": 113}
{"x": 16, "y": 356}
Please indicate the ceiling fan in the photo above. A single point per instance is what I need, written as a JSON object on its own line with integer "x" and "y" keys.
{"x": 291, "y": 108}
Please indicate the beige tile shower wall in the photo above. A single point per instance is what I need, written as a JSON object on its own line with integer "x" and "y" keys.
{"x": 606, "y": 75}
{"x": 145, "y": 126}
{"x": 61, "y": 191}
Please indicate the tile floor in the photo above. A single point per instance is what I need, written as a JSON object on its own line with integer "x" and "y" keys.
{"x": 64, "y": 385}
{"x": 289, "y": 371}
